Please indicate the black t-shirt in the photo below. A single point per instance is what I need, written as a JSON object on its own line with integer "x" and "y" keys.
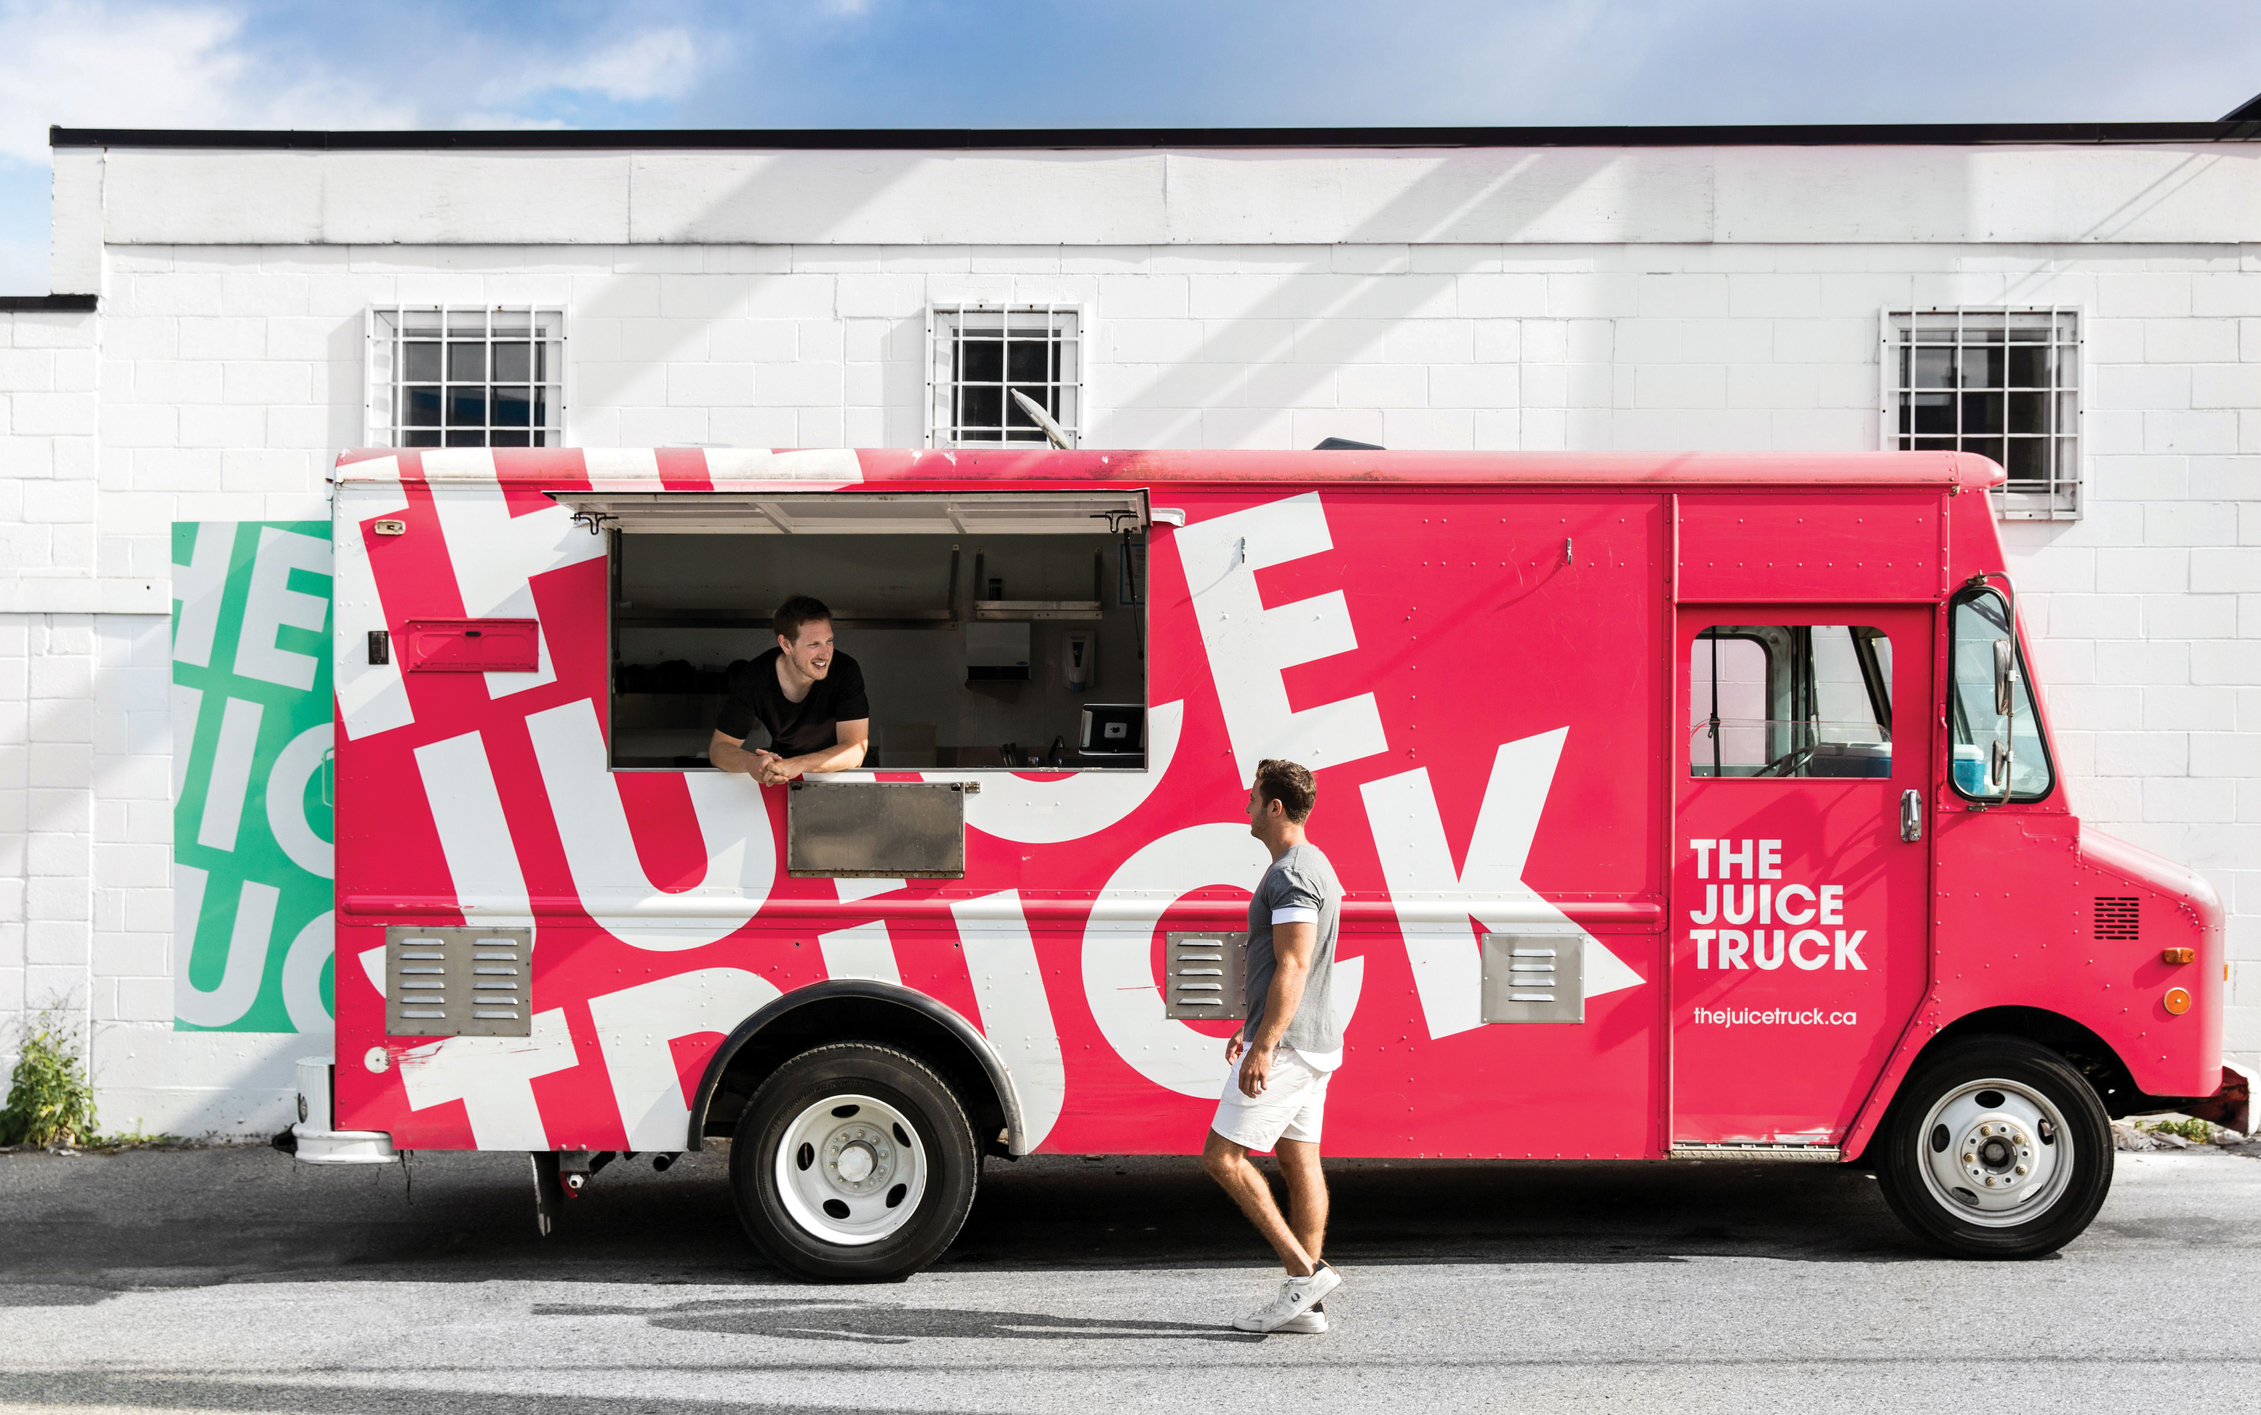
{"x": 794, "y": 728}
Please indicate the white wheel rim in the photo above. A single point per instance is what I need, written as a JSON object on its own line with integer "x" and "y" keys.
{"x": 2008, "y": 1154}
{"x": 851, "y": 1170}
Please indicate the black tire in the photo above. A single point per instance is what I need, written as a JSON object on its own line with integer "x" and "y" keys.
{"x": 1933, "y": 1187}
{"x": 939, "y": 1134}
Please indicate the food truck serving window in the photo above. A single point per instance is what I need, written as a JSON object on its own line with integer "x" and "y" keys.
{"x": 1790, "y": 700}
{"x": 991, "y": 630}
{"x": 1980, "y": 620}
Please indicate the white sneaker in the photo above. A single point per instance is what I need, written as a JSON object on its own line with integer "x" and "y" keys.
{"x": 1309, "y": 1323}
{"x": 1296, "y": 1296}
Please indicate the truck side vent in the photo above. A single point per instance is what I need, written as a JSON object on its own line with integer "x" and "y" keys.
{"x": 1536, "y": 973}
{"x": 1208, "y": 975}
{"x": 457, "y": 982}
{"x": 2115, "y": 918}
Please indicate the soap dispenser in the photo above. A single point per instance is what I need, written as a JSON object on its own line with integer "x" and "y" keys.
{"x": 1077, "y": 662}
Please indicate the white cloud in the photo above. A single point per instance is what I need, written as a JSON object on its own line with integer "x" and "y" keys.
{"x": 158, "y": 66}
{"x": 636, "y": 69}
{"x": 194, "y": 65}
{"x": 486, "y": 121}
{"x": 633, "y": 68}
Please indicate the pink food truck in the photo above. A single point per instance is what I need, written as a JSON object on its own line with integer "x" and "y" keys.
{"x": 1687, "y": 807}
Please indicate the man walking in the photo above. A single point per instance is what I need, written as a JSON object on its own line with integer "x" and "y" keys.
{"x": 1285, "y": 1051}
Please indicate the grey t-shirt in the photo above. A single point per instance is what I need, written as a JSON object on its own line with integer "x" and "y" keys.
{"x": 1301, "y": 879}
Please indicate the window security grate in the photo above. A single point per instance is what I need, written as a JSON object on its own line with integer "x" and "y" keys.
{"x": 980, "y": 355}
{"x": 2116, "y": 918}
{"x": 2001, "y": 382}
{"x": 478, "y": 377}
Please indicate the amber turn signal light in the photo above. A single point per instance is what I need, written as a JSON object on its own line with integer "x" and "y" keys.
{"x": 2178, "y": 955}
{"x": 2178, "y": 1001}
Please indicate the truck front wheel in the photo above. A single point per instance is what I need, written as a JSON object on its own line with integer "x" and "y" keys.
{"x": 1996, "y": 1148}
{"x": 853, "y": 1163}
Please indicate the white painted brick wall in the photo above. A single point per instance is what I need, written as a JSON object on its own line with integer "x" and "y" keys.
{"x": 225, "y": 378}
{"x": 49, "y": 417}
{"x": 47, "y": 787}
{"x": 15, "y": 820}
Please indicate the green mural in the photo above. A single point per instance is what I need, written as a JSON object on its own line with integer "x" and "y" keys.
{"x": 252, "y": 777}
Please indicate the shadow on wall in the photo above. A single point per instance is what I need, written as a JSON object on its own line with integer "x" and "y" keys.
{"x": 776, "y": 182}
{"x": 52, "y": 863}
{"x": 1299, "y": 334}
{"x": 1273, "y": 358}
{"x": 349, "y": 353}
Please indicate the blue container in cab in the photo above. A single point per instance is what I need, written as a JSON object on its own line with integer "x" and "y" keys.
{"x": 1970, "y": 771}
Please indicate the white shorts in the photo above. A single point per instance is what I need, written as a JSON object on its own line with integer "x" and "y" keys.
{"x": 1293, "y": 1105}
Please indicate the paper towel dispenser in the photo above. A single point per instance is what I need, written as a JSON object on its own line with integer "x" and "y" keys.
{"x": 996, "y": 652}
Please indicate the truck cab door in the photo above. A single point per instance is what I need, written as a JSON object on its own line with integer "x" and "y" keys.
{"x": 1798, "y": 916}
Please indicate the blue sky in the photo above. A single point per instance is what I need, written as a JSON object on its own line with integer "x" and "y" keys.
{"x": 1024, "y": 63}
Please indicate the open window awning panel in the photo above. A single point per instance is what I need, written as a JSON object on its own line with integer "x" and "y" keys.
{"x": 1033, "y": 513}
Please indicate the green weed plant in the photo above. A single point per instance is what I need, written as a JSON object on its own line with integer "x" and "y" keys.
{"x": 50, "y": 1100}
{"x": 2198, "y": 1132}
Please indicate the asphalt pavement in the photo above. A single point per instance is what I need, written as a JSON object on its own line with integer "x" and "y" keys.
{"x": 234, "y": 1279}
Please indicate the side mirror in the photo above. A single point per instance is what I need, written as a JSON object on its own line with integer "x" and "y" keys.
{"x": 2005, "y": 665}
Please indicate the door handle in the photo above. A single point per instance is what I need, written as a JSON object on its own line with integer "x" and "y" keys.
{"x": 1911, "y": 816}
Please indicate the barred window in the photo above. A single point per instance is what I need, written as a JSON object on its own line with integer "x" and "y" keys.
{"x": 448, "y": 376}
{"x": 979, "y": 356}
{"x": 2001, "y": 382}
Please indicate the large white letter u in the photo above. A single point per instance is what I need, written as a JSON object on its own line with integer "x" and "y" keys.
{"x": 593, "y": 824}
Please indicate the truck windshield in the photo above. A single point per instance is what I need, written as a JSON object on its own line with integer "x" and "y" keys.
{"x": 1981, "y": 620}
{"x": 1790, "y": 700}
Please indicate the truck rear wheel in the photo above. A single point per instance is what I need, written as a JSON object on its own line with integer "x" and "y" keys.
{"x": 1996, "y": 1148}
{"x": 854, "y": 1163}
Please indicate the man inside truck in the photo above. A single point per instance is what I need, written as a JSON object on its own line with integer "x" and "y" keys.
{"x": 808, "y": 694}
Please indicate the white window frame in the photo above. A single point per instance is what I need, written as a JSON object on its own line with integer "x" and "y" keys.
{"x": 382, "y": 327}
{"x": 2057, "y": 497}
{"x": 1061, "y": 322}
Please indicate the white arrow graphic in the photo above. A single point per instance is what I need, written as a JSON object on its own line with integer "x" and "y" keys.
{"x": 1434, "y": 901}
